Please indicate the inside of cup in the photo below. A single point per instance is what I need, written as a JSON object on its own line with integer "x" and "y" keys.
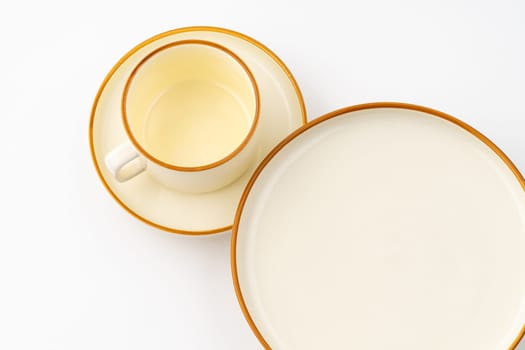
{"x": 190, "y": 104}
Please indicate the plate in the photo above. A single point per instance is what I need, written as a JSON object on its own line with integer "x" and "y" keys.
{"x": 282, "y": 111}
{"x": 383, "y": 226}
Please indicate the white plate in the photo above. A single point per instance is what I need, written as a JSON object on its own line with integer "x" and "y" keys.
{"x": 383, "y": 226}
{"x": 282, "y": 111}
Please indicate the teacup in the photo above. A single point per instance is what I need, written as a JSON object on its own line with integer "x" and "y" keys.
{"x": 190, "y": 110}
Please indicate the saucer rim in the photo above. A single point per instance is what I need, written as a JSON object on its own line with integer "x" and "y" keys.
{"x": 146, "y": 42}
{"x": 334, "y": 114}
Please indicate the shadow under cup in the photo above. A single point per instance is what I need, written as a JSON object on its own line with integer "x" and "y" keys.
{"x": 192, "y": 106}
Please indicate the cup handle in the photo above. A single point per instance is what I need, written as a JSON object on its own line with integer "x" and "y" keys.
{"x": 117, "y": 162}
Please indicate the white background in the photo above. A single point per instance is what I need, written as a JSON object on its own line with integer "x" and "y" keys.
{"x": 77, "y": 271}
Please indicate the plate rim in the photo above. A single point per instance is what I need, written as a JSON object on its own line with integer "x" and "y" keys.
{"x": 319, "y": 120}
{"x": 139, "y": 46}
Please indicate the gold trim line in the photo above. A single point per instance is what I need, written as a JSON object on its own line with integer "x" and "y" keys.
{"x": 236, "y": 151}
{"x": 133, "y": 51}
{"x": 292, "y": 136}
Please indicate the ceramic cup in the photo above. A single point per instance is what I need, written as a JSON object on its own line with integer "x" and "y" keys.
{"x": 190, "y": 109}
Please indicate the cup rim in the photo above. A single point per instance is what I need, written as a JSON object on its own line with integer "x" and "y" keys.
{"x": 214, "y": 164}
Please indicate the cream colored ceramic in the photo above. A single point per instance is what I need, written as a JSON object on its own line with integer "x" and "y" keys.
{"x": 190, "y": 109}
{"x": 281, "y": 112}
{"x": 383, "y": 226}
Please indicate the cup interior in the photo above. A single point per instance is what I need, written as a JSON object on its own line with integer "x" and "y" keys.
{"x": 190, "y": 104}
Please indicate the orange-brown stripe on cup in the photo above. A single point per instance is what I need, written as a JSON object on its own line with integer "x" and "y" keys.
{"x": 236, "y": 151}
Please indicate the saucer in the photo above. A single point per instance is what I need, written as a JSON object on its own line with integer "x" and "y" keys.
{"x": 383, "y": 226}
{"x": 282, "y": 111}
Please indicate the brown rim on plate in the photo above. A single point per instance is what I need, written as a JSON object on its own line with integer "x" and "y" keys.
{"x": 144, "y": 44}
{"x": 313, "y": 123}
{"x": 232, "y": 154}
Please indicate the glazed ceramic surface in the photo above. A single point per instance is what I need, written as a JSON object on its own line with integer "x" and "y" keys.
{"x": 281, "y": 112}
{"x": 383, "y": 226}
{"x": 190, "y": 109}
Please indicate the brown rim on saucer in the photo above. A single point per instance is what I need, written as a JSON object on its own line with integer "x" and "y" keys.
{"x": 313, "y": 123}
{"x": 236, "y": 151}
{"x": 142, "y": 45}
